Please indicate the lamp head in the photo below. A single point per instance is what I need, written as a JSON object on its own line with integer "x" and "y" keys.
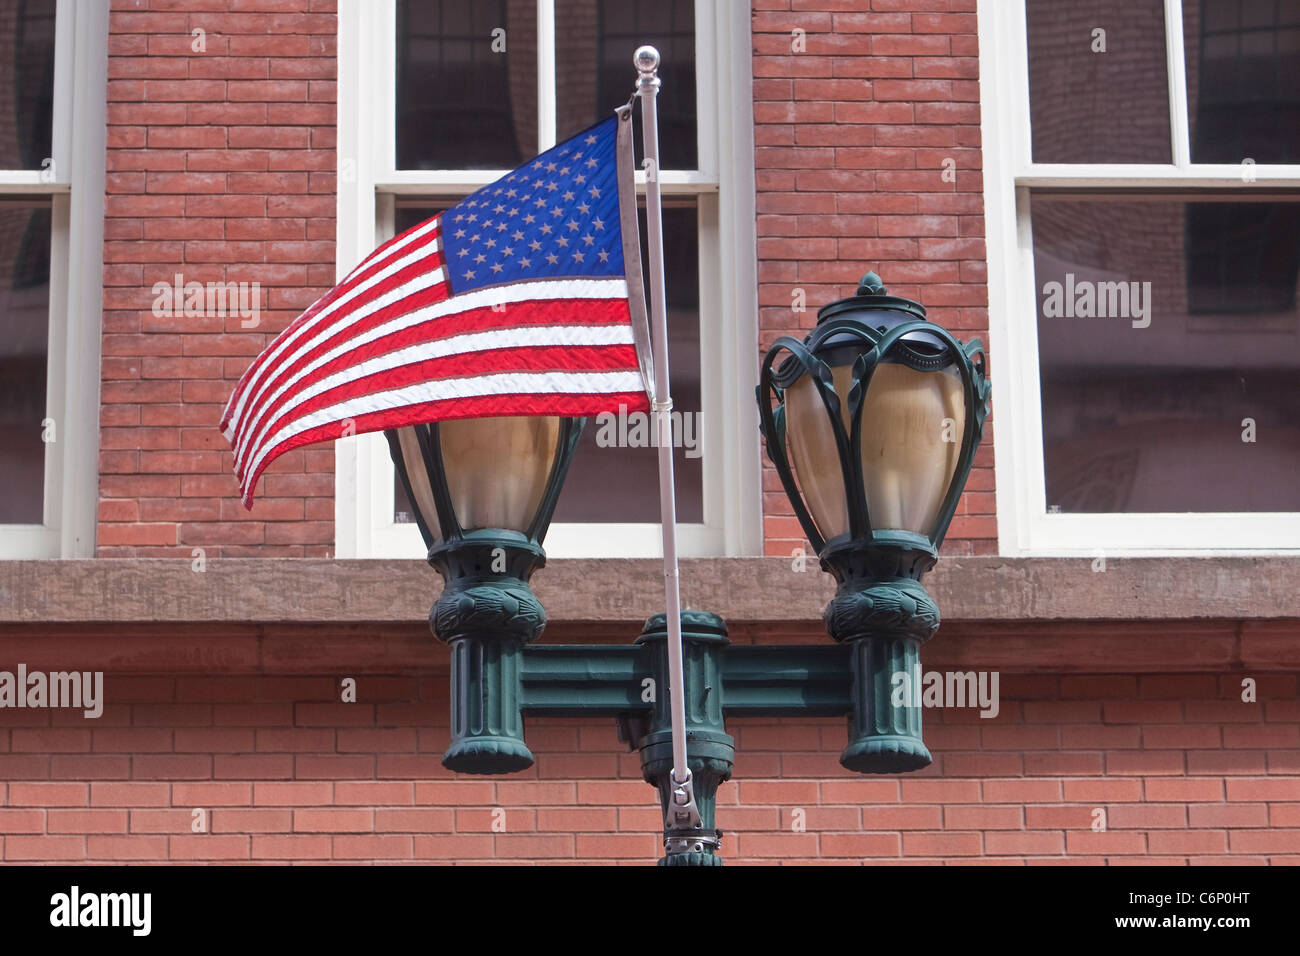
{"x": 872, "y": 422}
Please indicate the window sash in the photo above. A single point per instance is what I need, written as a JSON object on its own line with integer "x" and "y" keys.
{"x": 1025, "y": 527}
{"x": 389, "y": 178}
{"x": 1006, "y": 26}
{"x": 370, "y": 185}
{"x": 76, "y": 290}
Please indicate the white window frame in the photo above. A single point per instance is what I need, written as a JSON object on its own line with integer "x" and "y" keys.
{"x": 723, "y": 186}
{"x": 75, "y": 185}
{"x": 1024, "y": 525}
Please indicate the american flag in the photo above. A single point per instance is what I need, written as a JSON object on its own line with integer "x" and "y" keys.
{"x": 525, "y": 298}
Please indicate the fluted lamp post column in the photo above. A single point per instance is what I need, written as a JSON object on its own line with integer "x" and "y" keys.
{"x": 872, "y": 422}
{"x": 483, "y": 491}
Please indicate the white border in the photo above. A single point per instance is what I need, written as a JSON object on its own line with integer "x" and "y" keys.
{"x": 729, "y": 297}
{"x": 1024, "y": 525}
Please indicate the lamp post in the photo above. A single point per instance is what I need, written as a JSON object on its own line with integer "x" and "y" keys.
{"x": 867, "y": 405}
{"x": 483, "y": 491}
{"x": 872, "y": 422}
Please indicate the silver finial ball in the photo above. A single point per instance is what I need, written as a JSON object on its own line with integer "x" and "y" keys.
{"x": 646, "y": 59}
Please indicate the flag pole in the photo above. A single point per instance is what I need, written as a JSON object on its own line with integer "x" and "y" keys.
{"x": 682, "y": 821}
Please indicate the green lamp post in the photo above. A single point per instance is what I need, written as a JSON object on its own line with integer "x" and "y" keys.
{"x": 484, "y": 491}
{"x": 872, "y": 422}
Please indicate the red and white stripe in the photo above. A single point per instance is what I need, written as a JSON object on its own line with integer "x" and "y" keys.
{"x": 390, "y": 346}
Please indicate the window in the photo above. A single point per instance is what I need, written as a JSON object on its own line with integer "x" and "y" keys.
{"x": 440, "y": 97}
{"x": 1142, "y": 190}
{"x": 52, "y": 142}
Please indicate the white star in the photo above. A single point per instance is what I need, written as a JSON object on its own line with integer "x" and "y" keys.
{"x": 460, "y": 233}
{"x": 541, "y": 201}
{"x": 498, "y": 207}
{"x": 490, "y": 243}
{"x": 591, "y": 163}
{"x": 564, "y": 170}
{"x": 583, "y": 208}
{"x": 551, "y": 187}
{"x": 480, "y": 258}
{"x": 516, "y": 235}
{"x": 550, "y": 167}
{"x": 551, "y": 258}
{"x": 579, "y": 179}
{"x": 562, "y": 242}
{"x": 598, "y": 223}
{"x": 594, "y": 192}
{"x": 604, "y": 256}
{"x": 577, "y": 256}
{"x": 530, "y": 218}
{"x": 557, "y": 211}
{"x": 568, "y": 196}
{"x": 497, "y": 267}
{"x": 534, "y": 245}
{"x": 588, "y": 239}
{"x": 463, "y": 252}
{"x": 507, "y": 251}
{"x": 469, "y": 274}
{"x": 591, "y": 138}
{"x": 573, "y": 225}
{"x": 526, "y": 262}
{"x": 510, "y": 193}
{"x": 546, "y": 229}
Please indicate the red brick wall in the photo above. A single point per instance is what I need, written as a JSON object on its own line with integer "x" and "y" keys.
{"x": 851, "y": 136}
{"x": 221, "y": 168}
{"x": 1182, "y": 768}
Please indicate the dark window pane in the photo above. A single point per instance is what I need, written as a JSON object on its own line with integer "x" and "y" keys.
{"x": 1242, "y": 257}
{"x": 466, "y": 93}
{"x": 1089, "y": 106}
{"x": 1243, "y": 64}
{"x": 1168, "y": 384}
{"x": 24, "y": 337}
{"x": 594, "y": 43}
{"x": 26, "y": 82}
{"x": 615, "y": 475}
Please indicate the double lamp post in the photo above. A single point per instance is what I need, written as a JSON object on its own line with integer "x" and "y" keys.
{"x": 872, "y": 422}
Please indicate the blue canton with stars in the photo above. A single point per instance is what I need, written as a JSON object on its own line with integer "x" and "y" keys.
{"x": 555, "y": 217}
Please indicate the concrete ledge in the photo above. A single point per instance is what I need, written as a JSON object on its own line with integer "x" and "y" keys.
{"x": 257, "y": 591}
